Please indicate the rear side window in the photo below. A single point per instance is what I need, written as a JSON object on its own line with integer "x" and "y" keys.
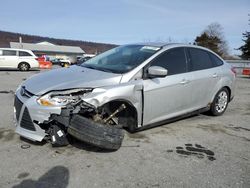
{"x": 24, "y": 53}
{"x": 199, "y": 59}
{"x": 216, "y": 61}
{"x": 174, "y": 60}
{"x": 9, "y": 53}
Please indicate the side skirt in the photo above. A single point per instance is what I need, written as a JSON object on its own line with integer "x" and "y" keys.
{"x": 172, "y": 119}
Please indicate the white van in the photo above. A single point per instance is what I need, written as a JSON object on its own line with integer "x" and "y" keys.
{"x": 18, "y": 58}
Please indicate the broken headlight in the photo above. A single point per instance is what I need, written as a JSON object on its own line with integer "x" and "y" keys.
{"x": 62, "y": 98}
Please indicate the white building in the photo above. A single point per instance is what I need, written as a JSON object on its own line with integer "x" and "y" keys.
{"x": 50, "y": 49}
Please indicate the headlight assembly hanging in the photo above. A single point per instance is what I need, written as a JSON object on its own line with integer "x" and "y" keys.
{"x": 62, "y": 98}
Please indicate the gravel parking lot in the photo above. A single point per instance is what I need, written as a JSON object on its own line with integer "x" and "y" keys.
{"x": 159, "y": 157}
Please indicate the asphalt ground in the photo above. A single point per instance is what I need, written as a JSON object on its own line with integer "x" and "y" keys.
{"x": 199, "y": 151}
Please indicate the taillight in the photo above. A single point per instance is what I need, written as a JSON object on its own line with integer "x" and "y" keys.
{"x": 233, "y": 69}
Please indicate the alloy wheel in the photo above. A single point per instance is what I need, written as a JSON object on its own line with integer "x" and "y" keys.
{"x": 221, "y": 102}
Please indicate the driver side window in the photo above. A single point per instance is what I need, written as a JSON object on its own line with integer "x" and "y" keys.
{"x": 174, "y": 60}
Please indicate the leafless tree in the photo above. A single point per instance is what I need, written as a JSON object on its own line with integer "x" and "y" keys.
{"x": 216, "y": 30}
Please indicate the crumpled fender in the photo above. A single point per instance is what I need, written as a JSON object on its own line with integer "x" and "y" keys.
{"x": 130, "y": 91}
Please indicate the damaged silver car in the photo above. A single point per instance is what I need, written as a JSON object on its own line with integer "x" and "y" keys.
{"x": 132, "y": 87}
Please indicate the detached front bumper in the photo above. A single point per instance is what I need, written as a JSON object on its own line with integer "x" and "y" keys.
{"x": 29, "y": 115}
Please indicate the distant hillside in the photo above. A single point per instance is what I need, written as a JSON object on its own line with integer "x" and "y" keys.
{"x": 88, "y": 47}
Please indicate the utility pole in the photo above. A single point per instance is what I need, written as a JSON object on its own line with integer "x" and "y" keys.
{"x": 20, "y": 42}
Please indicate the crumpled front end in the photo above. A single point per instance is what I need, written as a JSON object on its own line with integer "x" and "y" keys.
{"x": 49, "y": 116}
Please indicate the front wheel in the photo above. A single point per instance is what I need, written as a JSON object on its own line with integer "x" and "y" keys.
{"x": 220, "y": 102}
{"x": 23, "y": 66}
{"x": 100, "y": 135}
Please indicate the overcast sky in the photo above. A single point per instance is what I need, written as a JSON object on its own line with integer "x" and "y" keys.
{"x": 126, "y": 21}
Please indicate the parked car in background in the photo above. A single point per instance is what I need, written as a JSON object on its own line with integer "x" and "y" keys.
{"x": 82, "y": 60}
{"x": 18, "y": 58}
{"x": 62, "y": 62}
{"x": 56, "y": 61}
{"x": 133, "y": 87}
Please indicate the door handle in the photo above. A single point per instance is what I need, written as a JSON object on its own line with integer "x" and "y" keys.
{"x": 184, "y": 81}
{"x": 215, "y": 75}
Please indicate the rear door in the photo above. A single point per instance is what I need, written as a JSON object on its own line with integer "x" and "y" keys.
{"x": 9, "y": 58}
{"x": 205, "y": 77}
{"x": 169, "y": 96}
{"x": 25, "y": 56}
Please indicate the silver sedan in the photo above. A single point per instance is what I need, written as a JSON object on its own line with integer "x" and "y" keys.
{"x": 133, "y": 86}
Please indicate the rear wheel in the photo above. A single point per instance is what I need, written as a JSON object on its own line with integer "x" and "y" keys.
{"x": 220, "y": 102}
{"x": 23, "y": 66}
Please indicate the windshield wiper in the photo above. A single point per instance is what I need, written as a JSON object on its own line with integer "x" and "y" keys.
{"x": 89, "y": 67}
{"x": 105, "y": 70}
{"x": 99, "y": 68}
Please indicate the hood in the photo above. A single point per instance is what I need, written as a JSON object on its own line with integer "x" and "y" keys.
{"x": 68, "y": 78}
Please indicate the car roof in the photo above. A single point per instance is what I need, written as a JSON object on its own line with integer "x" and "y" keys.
{"x": 172, "y": 45}
{"x": 162, "y": 44}
{"x": 15, "y": 49}
{"x": 155, "y": 44}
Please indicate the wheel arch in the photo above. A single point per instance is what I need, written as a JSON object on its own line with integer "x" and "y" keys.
{"x": 213, "y": 109}
{"x": 220, "y": 88}
{"x": 229, "y": 91}
{"x": 23, "y": 62}
{"x": 131, "y": 112}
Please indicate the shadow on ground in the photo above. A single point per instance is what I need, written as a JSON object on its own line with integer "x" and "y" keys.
{"x": 87, "y": 147}
{"x": 58, "y": 176}
{"x": 17, "y": 70}
{"x": 73, "y": 142}
{"x": 27, "y": 141}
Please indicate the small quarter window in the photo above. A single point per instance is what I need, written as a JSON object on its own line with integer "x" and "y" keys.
{"x": 216, "y": 61}
{"x": 21, "y": 53}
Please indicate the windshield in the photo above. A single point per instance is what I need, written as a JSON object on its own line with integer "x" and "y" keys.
{"x": 121, "y": 59}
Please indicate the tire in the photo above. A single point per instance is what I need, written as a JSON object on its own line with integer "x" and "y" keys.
{"x": 99, "y": 135}
{"x": 220, "y": 102}
{"x": 23, "y": 66}
{"x": 132, "y": 129}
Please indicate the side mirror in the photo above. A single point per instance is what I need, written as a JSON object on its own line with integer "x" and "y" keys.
{"x": 157, "y": 72}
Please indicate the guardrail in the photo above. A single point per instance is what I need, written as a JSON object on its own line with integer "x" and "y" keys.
{"x": 242, "y": 67}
